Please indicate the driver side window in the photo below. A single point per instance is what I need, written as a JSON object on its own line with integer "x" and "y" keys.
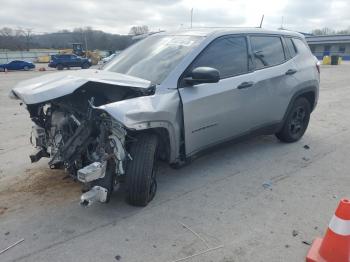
{"x": 229, "y": 55}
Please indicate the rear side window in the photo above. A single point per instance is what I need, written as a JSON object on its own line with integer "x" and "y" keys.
{"x": 229, "y": 55}
{"x": 301, "y": 46}
{"x": 268, "y": 51}
{"x": 291, "y": 47}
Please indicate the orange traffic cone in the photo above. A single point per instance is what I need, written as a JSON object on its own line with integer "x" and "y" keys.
{"x": 335, "y": 246}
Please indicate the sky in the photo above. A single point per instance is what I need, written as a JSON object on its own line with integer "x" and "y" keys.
{"x": 117, "y": 16}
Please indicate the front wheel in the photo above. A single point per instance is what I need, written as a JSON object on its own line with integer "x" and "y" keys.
{"x": 141, "y": 170}
{"x": 297, "y": 121}
{"x": 26, "y": 68}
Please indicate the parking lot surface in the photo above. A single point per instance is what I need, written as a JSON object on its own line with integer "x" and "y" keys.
{"x": 256, "y": 200}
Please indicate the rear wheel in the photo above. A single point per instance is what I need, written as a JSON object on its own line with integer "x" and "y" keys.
{"x": 59, "y": 67}
{"x": 141, "y": 170}
{"x": 2, "y": 69}
{"x": 297, "y": 121}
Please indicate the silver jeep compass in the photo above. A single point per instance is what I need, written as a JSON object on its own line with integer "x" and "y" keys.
{"x": 169, "y": 97}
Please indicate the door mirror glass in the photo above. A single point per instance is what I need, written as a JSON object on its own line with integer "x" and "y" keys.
{"x": 201, "y": 75}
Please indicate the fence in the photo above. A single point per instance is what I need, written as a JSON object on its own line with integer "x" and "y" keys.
{"x": 31, "y": 55}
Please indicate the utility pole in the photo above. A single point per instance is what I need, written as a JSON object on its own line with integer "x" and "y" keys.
{"x": 191, "y": 16}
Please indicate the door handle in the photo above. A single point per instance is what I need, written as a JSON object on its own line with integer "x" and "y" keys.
{"x": 291, "y": 72}
{"x": 245, "y": 85}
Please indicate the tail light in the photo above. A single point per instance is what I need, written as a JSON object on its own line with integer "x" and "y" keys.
{"x": 318, "y": 66}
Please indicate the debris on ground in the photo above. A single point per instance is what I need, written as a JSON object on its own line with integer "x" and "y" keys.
{"x": 11, "y": 246}
{"x": 267, "y": 185}
{"x": 198, "y": 254}
{"x": 306, "y": 158}
{"x": 195, "y": 233}
{"x": 295, "y": 233}
{"x": 306, "y": 147}
{"x": 117, "y": 257}
{"x": 7, "y": 233}
{"x": 37, "y": 186}
{"x": 3, "y": 210}
{"x": 306, "y": 243}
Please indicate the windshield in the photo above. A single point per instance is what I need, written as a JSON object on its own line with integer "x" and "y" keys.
{"x": 154, "y": 57}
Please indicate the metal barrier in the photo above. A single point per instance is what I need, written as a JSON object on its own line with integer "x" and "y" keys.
{"x": 31, "y": 55}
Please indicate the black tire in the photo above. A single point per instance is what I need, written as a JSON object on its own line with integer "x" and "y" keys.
{"x": 2, "y": 69}
{"x": 141, "y": 170}
{"x": 85, "y": 66}
{"x": 297, "y": 121}
{"x": 26, "y": 68}
{"x": 59, "y": 67}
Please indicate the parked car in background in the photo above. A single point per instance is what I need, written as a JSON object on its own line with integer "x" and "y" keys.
{"x": 169, "y": 97}
{"x": 109, "y": 58}
{"x": 62, "y": 61}
{"x": 17, "y": 65}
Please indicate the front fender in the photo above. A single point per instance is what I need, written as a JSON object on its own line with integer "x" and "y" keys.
{"x": 161, "y": 110}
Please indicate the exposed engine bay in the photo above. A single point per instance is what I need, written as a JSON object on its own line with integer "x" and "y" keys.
{"x": 84, "y": 140}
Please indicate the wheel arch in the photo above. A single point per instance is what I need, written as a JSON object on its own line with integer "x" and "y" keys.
{"x": 166, "y": 137}
{"x": 310, "y": 93}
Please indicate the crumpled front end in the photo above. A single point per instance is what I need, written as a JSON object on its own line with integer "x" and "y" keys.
{"x": 89, "y": 145}
{"x": 75, "y": 134}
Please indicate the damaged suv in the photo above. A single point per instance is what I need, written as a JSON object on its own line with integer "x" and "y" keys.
{"x": 169, "y": 97}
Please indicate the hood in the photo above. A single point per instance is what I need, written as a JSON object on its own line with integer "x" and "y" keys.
{"x": 51, "y": 86}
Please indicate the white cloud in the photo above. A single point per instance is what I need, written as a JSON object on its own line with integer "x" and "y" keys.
{"x": 118, "y": 16}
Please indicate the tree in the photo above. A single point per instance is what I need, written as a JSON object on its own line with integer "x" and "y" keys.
{"x": 28, "y": 37}
{"x": 139, "y": 30}
{"x": 11, "y": 38}
{"x": 323, "y": 31}
{"x": 344, "y": 32}
{"x": 19, "y": 39}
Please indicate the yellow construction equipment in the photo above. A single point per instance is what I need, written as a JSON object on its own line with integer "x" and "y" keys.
{"x": 77, "y": 49}
{"x": 44, "y": 59}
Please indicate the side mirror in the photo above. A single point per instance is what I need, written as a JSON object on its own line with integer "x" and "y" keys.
{"x": 201, "y": 75}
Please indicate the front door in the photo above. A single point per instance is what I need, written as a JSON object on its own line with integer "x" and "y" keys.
{"x": 214, "y": 112}
{"x": 74, "y": 61}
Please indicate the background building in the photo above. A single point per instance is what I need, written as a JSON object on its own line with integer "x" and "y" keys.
{"x": 330, "y": 45}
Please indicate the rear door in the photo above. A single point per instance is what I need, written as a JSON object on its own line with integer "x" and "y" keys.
{"x": 273, "y": 77}
{"x": 214, "y": 112}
